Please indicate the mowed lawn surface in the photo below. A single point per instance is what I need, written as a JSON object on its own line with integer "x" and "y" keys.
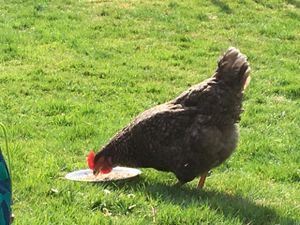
{"x": 73, "y": 73}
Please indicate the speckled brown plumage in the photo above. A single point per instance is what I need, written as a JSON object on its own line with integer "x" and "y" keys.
{"x": 190, "y": 134}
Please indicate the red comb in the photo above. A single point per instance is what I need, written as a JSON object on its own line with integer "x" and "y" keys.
{"x": 90, "y": 160}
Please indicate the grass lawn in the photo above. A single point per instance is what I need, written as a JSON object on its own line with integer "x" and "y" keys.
{"x": 72, "y": 73}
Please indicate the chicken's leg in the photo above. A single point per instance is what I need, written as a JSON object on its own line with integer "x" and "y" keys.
{"x": 202, "y": 180}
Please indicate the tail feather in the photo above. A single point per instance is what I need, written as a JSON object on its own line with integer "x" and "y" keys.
{"x": 232, "y": 60}
{"x": 233, "y": 68}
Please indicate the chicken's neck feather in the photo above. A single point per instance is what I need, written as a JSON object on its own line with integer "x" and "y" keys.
{"x": 118, "y": 149}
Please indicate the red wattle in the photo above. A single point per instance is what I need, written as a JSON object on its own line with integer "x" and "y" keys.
{"x": 90, "y": 160}
{"x": 106, "y": 170}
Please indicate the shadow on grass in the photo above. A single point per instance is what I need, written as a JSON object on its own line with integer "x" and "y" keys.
{"x": 223, "y": 6}
{"x": 229, "y": 205}
{"x": 296, "y": 3}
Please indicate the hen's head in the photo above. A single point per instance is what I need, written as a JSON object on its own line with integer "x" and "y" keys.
{"x": 234, "y": 70}
{"x": 99, "y": 163}
{"x": 102, "y": 164}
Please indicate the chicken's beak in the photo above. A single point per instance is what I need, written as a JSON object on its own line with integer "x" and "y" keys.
{"x": 97, "y": 168}
{"x": 95, "y": 172}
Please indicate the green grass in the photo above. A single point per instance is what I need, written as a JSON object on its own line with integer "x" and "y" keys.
{"x": 75, "y": 72}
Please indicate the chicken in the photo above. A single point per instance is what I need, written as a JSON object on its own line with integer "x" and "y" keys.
{"x": 189, "y": 135}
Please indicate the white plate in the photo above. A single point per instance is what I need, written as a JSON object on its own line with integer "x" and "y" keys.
{"x": 117, "y": 173}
